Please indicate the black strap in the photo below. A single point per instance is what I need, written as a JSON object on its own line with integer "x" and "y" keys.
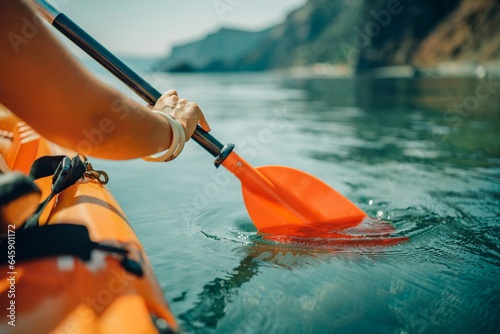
{"x": 15, "y": 185}
{"x": 62, "y": 239}
{"x": 65, "y": 173}
{"x": 61, "y": 167}
{"x": 49, "y": 240}
{"x": 45, "y": 166}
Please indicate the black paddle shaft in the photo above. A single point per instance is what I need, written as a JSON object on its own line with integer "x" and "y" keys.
{"x": 104, "y": 57}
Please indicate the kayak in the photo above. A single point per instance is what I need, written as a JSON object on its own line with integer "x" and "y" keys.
{"x": 48, "y": 287}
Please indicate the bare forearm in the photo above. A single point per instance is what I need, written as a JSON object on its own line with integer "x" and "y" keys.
{"x": 116, "y": 128}
{"x": 45, "y": 86}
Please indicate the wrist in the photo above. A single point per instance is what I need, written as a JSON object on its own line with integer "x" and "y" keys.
{"x": 176, "y": 144}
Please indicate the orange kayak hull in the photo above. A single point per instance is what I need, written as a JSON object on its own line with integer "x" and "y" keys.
{"x": 64, "y": 294}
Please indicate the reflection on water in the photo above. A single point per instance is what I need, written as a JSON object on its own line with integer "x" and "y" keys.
{"x": 217, "y": 295}
{"x": 423, "y": 154}
{"x": 445, "y": 121}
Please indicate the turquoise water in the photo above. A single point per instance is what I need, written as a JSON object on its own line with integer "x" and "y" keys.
{"x": 392, "y": 146}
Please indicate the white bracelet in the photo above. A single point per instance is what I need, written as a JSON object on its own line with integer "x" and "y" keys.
{"x": 182, "y": 138}
{"x": 178, "y": 140}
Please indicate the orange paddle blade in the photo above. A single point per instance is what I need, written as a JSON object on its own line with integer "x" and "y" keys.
{"x": 283, "y": 200}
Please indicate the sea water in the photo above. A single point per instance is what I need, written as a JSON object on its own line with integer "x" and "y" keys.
{"x": 420, "y": 153}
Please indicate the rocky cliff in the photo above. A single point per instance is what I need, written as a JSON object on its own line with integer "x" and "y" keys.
{"x": 470, "y": 32}
{"x": 309, "y": 35}
{"x": 362, "y": 33}
{"x": 424, "y": 33}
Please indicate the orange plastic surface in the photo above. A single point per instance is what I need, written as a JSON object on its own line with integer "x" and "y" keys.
{"x": 290, "y": 206}
{"x": 65, "y": 294}
{"x": 282, "y": 199}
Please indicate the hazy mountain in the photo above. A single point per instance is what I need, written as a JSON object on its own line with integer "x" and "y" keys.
{"x": 225, "y": 47}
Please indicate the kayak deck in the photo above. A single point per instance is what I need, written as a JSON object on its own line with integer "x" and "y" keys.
{"x": 61, "y": 294}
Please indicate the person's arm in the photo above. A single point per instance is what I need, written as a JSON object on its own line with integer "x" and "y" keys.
{"x": 44, "y": 85}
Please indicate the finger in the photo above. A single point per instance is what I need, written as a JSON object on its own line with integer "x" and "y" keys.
{"x": 183, "y": 103}
{"x": 172, "y": 100}
{"x": 165, "y": 96}
{"x": 203, "y": 122}
{"x": 171, "y": 92}
{"x": 166, "y": 101}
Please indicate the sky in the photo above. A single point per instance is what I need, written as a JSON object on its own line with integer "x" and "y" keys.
{"x": 152, "y": 27}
